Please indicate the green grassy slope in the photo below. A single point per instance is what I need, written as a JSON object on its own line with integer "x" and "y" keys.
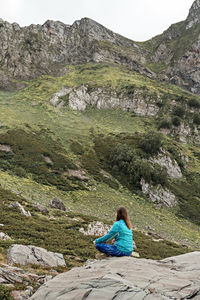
{"x": 72, "y": 139}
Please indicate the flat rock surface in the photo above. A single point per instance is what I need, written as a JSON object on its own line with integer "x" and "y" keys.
{"x": 127, "y": 278}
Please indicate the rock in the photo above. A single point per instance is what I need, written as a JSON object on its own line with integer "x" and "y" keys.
{"x": 21, "y": 208}
{"x": 127, "y": 278}
{"x": 135, "y": 254}
{"x": 58, "y": 204}
{"x": 6, "y": 148}
{"x": 164, "y": 160}
{"x": 158, "y": 195}
{"x": 55, "y": 101}
{"x": 48, "y": 160}
{"x": 22, "y": 295}
{"x": 194, "y": 17}
{"x": 25, "y": 255}
{"x": 47, "y": 49}
{"x": 95, "y": 228}
{"x": 140, "y": 104}
{"x": 40, "y": 208}
{"x": 4, "y": 236}
{"x": 77, "y": 174}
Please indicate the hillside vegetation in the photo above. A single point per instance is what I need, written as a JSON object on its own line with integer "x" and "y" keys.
{"x": 111, "y": 147}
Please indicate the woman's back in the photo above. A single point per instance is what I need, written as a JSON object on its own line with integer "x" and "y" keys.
{"x": 124, "y": 238}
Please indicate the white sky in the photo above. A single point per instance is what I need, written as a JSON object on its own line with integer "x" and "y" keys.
{"x": 138, "y": 20}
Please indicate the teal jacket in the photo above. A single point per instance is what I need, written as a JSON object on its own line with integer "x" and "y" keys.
{"x": 122, "y": 234}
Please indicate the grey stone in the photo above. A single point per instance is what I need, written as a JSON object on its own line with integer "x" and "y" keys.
{"x": 58, "y": 204}
{"x": 127, "y": 278}
{"x": 164, "y": 160}
{"x": 25, "y": 255}
{"x": 95, "y": 228}
{"x": 158, "y": 195}
{"x": 140, "y": 104}
{"x": 41, "y": 208}
{"x": 4, "y": 236}
{"x": 21, "y": 209}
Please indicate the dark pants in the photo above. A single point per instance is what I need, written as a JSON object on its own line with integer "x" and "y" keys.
{"x": 111, "y": 250}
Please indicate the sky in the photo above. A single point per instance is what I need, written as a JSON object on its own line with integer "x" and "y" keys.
{"x": 138, "y": 20}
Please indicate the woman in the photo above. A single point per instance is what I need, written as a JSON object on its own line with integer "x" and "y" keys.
{"x": 123, "y": 236}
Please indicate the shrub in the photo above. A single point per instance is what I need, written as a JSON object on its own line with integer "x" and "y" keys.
{"x": 135, "y": 168}
{"x": 151, "y": 142}
{"x": 165, "y": 124}
{"x": 196, "y": 119}
{"x": 176, "y": 121}
{"x": 179, "y": 111}
{"x": 194, "y": 103}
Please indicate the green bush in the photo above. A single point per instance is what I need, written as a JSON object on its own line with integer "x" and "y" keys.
{"x": 176, "y": 121}
{"x": 179, "y": 111}
{"x": 135, "y": 168}
{"x": 194, "y": 103}
{"x": 29, "y": 152}
{"x": 196, "y": 119}
{"x": 165, "y": 124}
{"x": 151, "y": 142}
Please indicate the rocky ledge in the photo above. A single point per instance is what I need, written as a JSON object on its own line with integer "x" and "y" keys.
{"x": 128, "y": 278}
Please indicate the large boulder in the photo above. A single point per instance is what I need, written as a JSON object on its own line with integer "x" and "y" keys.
{"x": 128, "y": 278}
{"x": 25, "y": 255}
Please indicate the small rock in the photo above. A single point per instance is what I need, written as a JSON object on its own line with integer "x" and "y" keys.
{"x": 58, "y": 204}
{"x": 4, "y": 236}
{"x": 40, "y": 208}
{"x": 135, "y": 254}
{"x": 21, "y": 208}
{"x": 96, "y": 228}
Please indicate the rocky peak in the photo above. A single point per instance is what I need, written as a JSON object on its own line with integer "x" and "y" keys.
{"x": 194, "y": 15}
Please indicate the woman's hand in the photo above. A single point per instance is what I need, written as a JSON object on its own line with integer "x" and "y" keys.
{"x": 94, "y": 243}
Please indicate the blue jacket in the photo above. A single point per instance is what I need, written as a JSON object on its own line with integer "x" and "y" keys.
{"x": 122, "y": 234}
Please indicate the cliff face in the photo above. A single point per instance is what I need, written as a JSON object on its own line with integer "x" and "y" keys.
{"x": 28, "y": 52}
{"x": 47, "y": 49}
{"x": 175, "y": 53}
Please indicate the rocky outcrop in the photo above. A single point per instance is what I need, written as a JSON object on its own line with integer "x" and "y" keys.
{"x": 176, "y": 52}
{"x": 95, "y": 228}
{"x": 11, "y": 276}
{"x": 164, "y": 160}
{"x": 25, "y": 255}
{"x": 128, "y": 278}
{"x": 158, "y": 195}
{"x": 27, "y": 52}
{"x": 80, "y": 98}
{"x": 194, "y": 15}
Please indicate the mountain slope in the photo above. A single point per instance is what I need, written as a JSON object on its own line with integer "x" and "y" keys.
{"x": 81, "y": 156}
{"x": 174, "y": 55}
{"x": 27, "y": 52}
{"x": 47, "y": 49}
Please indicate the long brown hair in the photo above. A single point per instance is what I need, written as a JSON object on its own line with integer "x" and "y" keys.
{"x": 123, "y": 215}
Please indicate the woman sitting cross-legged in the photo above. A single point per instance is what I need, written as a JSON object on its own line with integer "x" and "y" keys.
{"x": 122, "y": 234}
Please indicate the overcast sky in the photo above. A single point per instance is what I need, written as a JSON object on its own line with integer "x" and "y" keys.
{"x": 138, "y": 20}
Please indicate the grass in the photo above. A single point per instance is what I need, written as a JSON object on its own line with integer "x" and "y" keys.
{"x": 70, "y": 140}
